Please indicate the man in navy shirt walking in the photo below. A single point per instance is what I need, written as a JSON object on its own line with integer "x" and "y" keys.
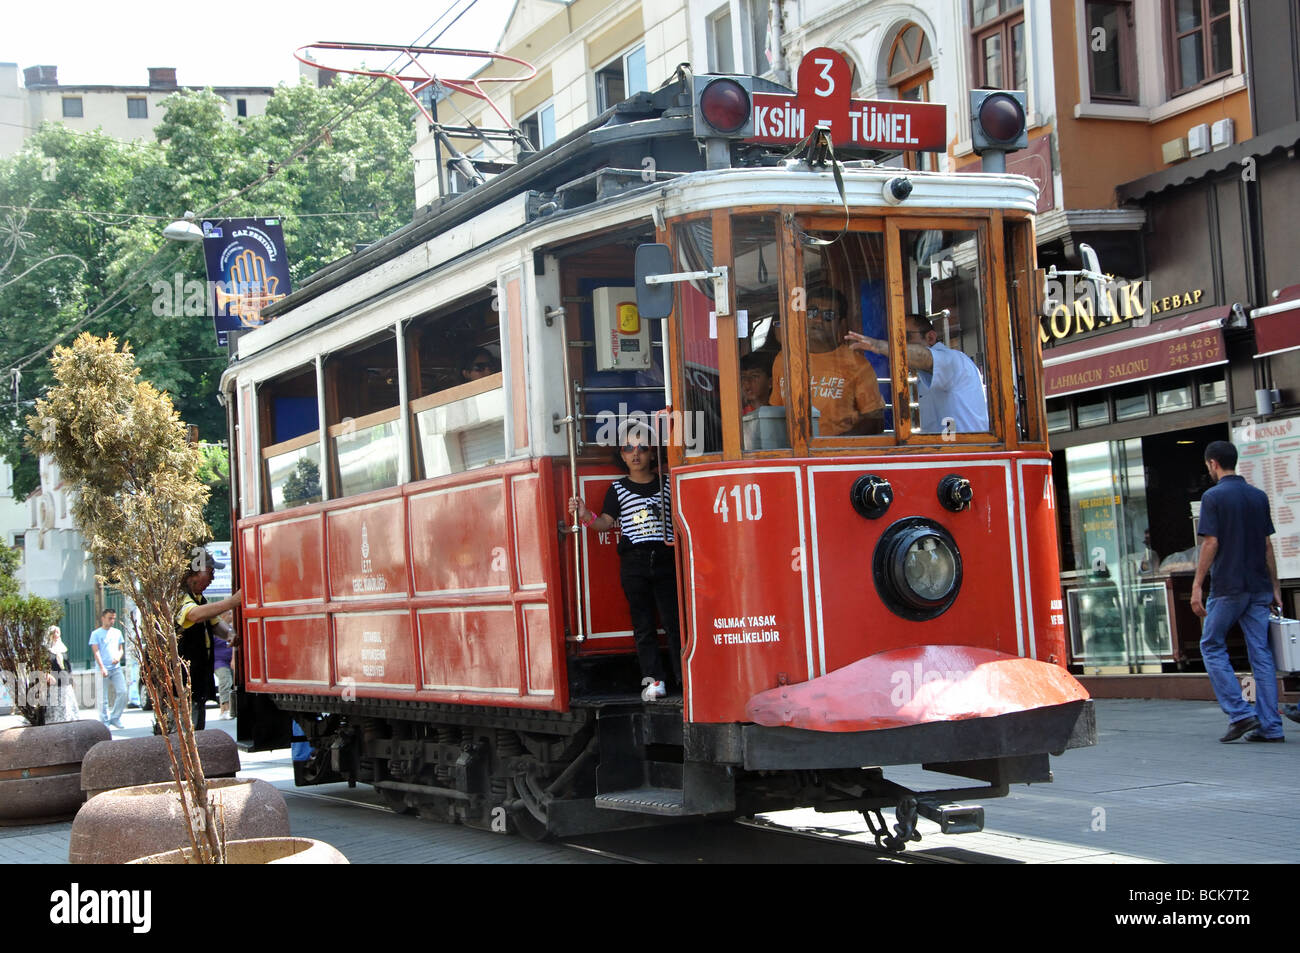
{"x": 1235, "y": 527}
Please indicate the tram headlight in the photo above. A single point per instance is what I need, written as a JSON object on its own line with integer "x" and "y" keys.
{"x": 917, "y": 568}
{"x": 724, "y": 107}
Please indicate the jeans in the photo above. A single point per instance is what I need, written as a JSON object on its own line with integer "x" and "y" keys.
{"x": 649, "y": 580}
{"x": 117, "y": 679}
{"x": 1252, "y": 612}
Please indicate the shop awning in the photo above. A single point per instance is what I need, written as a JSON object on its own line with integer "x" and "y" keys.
{"x": 1135, "y": 353}
{"x": 1277, "y": 326}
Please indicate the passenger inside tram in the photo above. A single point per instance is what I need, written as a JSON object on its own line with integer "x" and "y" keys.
{"x": 478, "y": 363}
{"x": 950, "y": 390}
{"x": 843, "y": 385}
{"x": 756, "y": 380}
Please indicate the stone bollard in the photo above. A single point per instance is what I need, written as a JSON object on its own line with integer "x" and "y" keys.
{"x": 40, "y": 770}
{"x": 129, "y": 762}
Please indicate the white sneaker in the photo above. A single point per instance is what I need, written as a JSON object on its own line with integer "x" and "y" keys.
{"x": 653, "y": 690}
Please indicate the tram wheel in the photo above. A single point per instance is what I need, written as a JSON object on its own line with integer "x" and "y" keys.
{"x": 529, "y": 814}
{"x": 395, "y": 801}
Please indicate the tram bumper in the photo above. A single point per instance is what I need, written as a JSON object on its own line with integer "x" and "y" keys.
{"x": 946, "y": 706}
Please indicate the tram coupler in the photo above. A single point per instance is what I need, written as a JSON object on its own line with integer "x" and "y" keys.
{"x": 952, "y": 818}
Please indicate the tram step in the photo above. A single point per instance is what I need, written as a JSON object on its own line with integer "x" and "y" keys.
{"x": 667, "y": 801}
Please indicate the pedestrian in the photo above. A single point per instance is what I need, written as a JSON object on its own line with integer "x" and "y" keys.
{"x": 196, "y": 628}
{"x": 62, "y": 704}
{"x": 109, "y": 647}
{"x": 222, "y": 655}
{"x": 639, "y": 505}
{"x": 1235, "y": 526}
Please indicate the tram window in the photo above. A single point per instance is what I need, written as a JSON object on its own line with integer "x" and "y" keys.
{"x": 844, "y": 289}
{"x": 947, "y": 348}
{"x": 702, "y": 398}
{"x": 290, "y": 429}
{"x": 362, "y": 403}
{"x": 458, "y": 405}
{"x": 757, "y": 258}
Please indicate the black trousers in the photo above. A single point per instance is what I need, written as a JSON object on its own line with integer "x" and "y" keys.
{"x": 649, "y": 578}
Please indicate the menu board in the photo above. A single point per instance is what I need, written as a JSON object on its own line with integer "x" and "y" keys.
{"x": 1269, "y": 458}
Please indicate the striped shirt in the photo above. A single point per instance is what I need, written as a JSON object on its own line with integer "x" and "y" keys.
{"x": 643, "y": 516}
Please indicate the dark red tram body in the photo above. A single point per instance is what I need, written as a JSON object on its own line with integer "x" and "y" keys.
{"x": 438, "y": 631}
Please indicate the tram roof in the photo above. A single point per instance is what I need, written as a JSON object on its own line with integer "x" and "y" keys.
{"x": 602, "y": 164}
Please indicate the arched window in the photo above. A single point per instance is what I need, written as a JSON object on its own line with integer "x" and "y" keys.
{"x": 910, "y": 75}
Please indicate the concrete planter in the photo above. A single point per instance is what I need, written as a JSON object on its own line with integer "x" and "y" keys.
{"x": 40, "y": 770}
{"x": 134, "y": 761}
{"x": 261, "y": 850}
{"x": 124, "y": 824}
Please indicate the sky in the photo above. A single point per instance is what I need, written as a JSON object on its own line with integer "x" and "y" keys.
{"x": 246, "y": 44}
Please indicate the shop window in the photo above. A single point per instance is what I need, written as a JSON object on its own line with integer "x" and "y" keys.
{"x": 73, "y": 107}
{"x": 757, "y": 269}
{"x": 290, "y": 435}
{"x": 458, "y": 402}
{"x": 1212, "y": 392}
{"x": 1132, "y": 402}
{"x": 1058, "y": 417}
{"x": 1093, "y": 413}
{"x": 1199, "y": 35}
{"x": 1169, "y": 399}
{"x": 722, "y": 56}
{"x": 1112, "y": 62}
{"x": 910, "y": 75}
{"x": 363, "y": 411}
{"x": 998, "y": 38}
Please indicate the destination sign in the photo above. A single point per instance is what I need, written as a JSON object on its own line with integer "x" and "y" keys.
{"x": 824, "y": 83}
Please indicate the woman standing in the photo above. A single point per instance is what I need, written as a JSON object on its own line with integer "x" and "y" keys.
{"x": 63, "y": 694}
{"x": 639, "y": 505}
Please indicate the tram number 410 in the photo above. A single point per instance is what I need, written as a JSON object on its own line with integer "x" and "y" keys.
{"x": 746, "y": 503}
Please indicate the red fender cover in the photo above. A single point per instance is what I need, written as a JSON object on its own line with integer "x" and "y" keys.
{"x": 915, "y": 686}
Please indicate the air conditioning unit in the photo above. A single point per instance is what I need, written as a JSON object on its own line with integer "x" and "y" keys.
{"x": 1175, "y": 150}
{"x": 1198, "y": 140}
{"x": 1222, "y": 134}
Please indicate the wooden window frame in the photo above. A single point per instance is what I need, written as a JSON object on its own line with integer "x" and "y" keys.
{"x": 1173, "y": 75}
{"x": 1002, "y": 24}
{"x": 1128, "y": 69}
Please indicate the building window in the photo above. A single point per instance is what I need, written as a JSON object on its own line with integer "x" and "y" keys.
{"x": 622, "y": 78}
{"x": 539, "y": 127}
{"x": 910, "y": 75}
{"x": 1200, "y": 41}
{"x": 72, "y": 108}
{"x": 241, "y": 107}
{"x": 722, "y": 55}
{"x": 1112, "y": 64}
{"x": 755, "y": 12}
{"x": 998, "y": 32}
{"x": 137, "y": 107}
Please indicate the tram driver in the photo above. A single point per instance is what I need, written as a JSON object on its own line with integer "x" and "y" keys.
{"x": 843, "y": 385}
{"x": 949, "y": 387}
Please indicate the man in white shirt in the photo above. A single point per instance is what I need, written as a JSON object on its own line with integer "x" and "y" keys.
{"x": 949, "y": 388}
{"x": 109, "y": 647}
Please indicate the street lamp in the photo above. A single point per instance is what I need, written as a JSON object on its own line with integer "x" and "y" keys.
{"x": 184, "y": 230}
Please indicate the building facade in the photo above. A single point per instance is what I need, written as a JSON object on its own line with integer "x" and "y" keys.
{"x": 122, "y": 112}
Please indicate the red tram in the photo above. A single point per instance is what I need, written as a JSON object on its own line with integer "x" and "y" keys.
{"x": 859, "y": 588}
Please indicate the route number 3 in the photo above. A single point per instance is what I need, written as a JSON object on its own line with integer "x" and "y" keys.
{"x": 747, "y": 503}
{"x": 826, "y": 75}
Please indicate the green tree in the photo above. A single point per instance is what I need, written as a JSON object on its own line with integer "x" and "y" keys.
{"x": 353, "y": 184}
{"x": 24, "y": 661}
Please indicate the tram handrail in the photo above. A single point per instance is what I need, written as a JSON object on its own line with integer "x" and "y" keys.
{"x": 572, "y": 423}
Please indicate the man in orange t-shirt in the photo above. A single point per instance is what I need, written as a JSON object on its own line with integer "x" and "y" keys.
{"x": 842, "y": 383}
